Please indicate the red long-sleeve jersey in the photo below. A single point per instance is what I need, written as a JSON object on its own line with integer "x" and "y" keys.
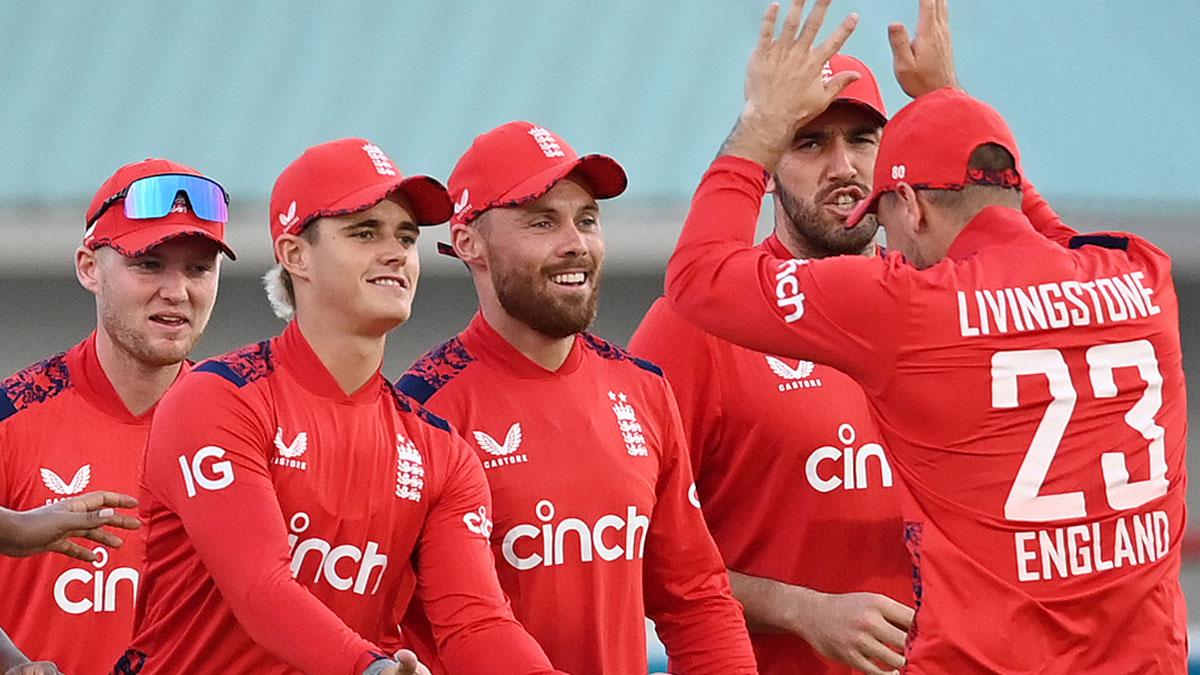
{"x": 824, "y": 512}
{"x": 1030, "y": 390}
{"x": 288, "y": 524}
{"x": 595, "y": 526}
{"x": 64, "y": 431}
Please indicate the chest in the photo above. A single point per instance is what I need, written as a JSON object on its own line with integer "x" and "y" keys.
{"x": 66, "y": 450}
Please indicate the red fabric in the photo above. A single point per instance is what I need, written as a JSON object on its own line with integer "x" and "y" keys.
{"x": 812, "y": 518}
{"x": 70, "y": 434}
{"x": 573, "y": 468}
{"x": 304, "y": 524}
{"x": 960, "y": 420}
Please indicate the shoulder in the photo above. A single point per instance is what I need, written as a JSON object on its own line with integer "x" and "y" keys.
{"x": 418, "y": 416}
{"x": 1132, "y": 246}
{"x": 242, "y": 366}
{"x": 34, "y": 385}
{"x": 437, "y": 368}
{"x": 608, "y": 351}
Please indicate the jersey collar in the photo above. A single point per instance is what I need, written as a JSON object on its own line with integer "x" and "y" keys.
{"x": 995, "y": 225}
{"x": 90, "y": 380}
{"x": 480, "y": 337}
{"x": 296, "y": 355}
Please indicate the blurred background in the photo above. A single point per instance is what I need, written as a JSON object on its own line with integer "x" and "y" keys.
{"x": 1101, "y": 96}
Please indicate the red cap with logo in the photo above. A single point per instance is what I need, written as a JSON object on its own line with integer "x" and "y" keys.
{"x": 863, "y": 92}
{"x": 107, "y": 226}
{"x": 928, "y": 144}
{"x": 518, "y": 162}
{"x": 347, "y": 176}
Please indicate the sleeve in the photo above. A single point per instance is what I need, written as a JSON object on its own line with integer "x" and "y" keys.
{"x": 205, "y": 468}
{"x": 1045, "y": 220}
{"x": 471, "y": 619}
{"x": 685, "y": 355}
{"x": 686, "y": 586}
{"x": 844, "y": 311}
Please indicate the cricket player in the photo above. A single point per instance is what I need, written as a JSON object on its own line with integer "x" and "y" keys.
{"x": 78, "y": 421}
{"x": 596, "y": 523}
{"x": 294, "y": 501}
{"x": 1027, "y": 382}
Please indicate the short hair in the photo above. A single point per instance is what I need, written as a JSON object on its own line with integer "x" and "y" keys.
{"x": 992, "y": 164}
{"x": 281, "y": 292}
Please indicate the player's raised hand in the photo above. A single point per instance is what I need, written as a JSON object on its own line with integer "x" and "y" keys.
{"x": 862, "y": 630}
{"x": 785, "y": 88}
{"x": 38, "y": 668}
{"x": 926, "y": 62}
{"x": 51, "y": 527}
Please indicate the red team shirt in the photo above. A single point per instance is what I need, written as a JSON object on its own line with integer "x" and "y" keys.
{"x": 790, "y": 469}
{"x": 65, "y": 431}
{"x": 595, "y": 526}
{"x": 288, "y": 524}
{"x": 1031, "y": 393}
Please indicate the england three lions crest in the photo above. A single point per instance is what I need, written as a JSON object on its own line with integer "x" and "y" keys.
{"x": 631, "y": 430}
{"x": 410, "y": 470}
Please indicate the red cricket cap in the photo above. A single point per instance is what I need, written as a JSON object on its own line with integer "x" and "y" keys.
{"x": 347, "y": 176}
{"x": 518, "y": 162}
{"x": 928, "y": 144}
{"x": 863, "y": 92}
{"x": 131, "y": 237}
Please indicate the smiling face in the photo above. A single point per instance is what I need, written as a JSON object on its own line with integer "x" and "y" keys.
{"x": 361, "y": 269}
{"x": 823, "y": 177}
{"x": 154, "y": 307}
{"x": 544, "y": 259}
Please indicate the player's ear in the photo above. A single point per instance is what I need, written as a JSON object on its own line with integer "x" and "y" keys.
{"x": 87, "y": 269}
{"x": 468, "y": 241}
{"x": 293, "y": 254}
{"x": 911, "y": 207}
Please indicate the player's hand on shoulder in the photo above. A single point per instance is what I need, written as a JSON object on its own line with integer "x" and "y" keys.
{"x": 925, "y": 63}
{"x": 38, "y": 668}
{"x": 862, "y": 630}
{"x": 405, "y": 663}
{"x": 51, "y": 527}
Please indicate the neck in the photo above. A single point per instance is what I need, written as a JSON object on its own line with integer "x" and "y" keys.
{"x": 352, "y": 358}
{"x": 139, "y": 385}
{"x": 549, "y": 353}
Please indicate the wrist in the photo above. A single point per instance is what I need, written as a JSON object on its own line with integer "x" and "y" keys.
{"x": 805, "y": 610}
{"x": 760, "y": 137}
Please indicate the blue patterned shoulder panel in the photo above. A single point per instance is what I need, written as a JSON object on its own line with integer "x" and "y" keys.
{"x": 39, "y": 382}
{"x": 608, "y": 350}
{"x": 243, "y": 366}
{"x": 432, "y": 371}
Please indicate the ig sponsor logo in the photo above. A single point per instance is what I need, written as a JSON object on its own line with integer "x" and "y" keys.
{"x": 211, "y": 476}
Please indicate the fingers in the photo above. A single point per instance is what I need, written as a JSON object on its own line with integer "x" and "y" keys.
{"x": 865, "y": 665}
{"x": 791, "y": 22}
{"x": 896, "y": 613}
{"x": 927, "y": 16}
{"x": 889, "y": 635}
{"x": 943, "y": 11}
{"x": 102, "y": 536}
{"x": 902, "y": 53}
{"x": 812, "y": 25}
{"x": 767, "y": 31}
{"x": 101, "y": 499}
{"x": 833, "y": 43}
{"x": 72, "y": 550}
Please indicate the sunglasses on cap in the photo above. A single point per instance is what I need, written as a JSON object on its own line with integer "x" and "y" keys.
{"x": 155, "y": 197}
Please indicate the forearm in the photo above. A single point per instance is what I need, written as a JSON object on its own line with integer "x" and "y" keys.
{"x": 9, "y": 654}
{"x": 772, "y": 606}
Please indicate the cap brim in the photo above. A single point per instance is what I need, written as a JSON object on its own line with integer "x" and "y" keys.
{"x": 140, "y": 241}
{"x": 863, "y": 104}
{"x": 605, "y": 176}
{"x": 430, "y": 201}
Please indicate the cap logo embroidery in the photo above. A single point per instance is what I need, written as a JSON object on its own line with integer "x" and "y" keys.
{"x": 826, "y": 72}
{"x": 464, "y": 200}
{"x": 898, "y": 171}
{"x": 288, "y": 219}
{"x": 383, "y": 165}
{"x": 546, "y": 141}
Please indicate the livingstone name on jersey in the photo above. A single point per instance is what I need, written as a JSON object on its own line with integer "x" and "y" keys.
{"x": 1059, "y": 304}
{"x": 1092, "y": 548}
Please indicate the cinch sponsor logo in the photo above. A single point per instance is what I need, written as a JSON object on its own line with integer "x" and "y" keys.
{"x": 80, "y": 590}
{"x": 611, "y": 537}
{"x": 344, "y": 567}
{"x": 787, "y": 289}
{"x": 853, "y": 474}
{"x": 211, "y": 476}
{"x": 478, "y": 522}
{"x": 58, "y": 486}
